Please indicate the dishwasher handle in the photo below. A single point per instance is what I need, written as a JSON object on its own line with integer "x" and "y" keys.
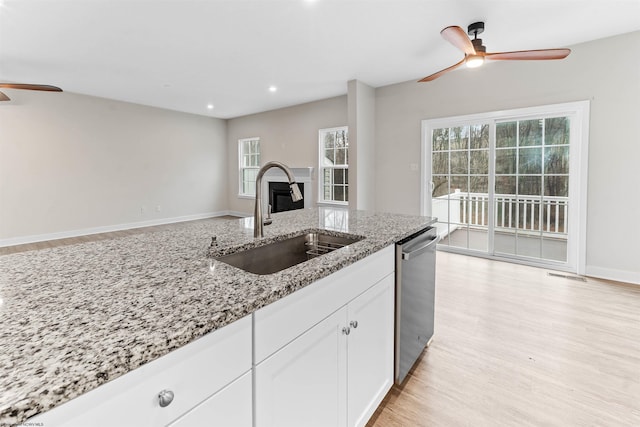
{"x": 414, "y": 252}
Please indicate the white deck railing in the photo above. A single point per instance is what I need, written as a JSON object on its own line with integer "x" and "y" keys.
{"x": 527, "y": 214}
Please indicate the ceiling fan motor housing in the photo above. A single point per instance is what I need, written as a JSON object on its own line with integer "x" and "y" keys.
{"x": 478, "y": 46}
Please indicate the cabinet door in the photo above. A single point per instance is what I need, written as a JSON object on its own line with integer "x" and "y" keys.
{"x": 304, "y": 383}
{"x": 230, "y": 407}
{"x": 370, "y": 350}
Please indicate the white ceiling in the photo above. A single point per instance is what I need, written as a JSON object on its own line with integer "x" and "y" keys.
{"x": 185, "y": 54}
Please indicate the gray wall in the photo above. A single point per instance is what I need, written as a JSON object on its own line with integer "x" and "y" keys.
{"x": 288, "y": 135}
{"x": 606, "y": 72}
{"x": 73, "y": 164}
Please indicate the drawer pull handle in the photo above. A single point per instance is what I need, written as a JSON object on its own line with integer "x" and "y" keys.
{"x": 165, "y": 397}
{"x": 354, "y": 324}
{"x": 346, "y": 331}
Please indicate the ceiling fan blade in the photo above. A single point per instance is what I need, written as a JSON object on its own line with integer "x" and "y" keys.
{"x": 441, "y": 72}
{"x": 457, "y": 37}
{"x": 541, "y": 54}
{"x": 4, "y": 97}
{"x": 47, "y": 88}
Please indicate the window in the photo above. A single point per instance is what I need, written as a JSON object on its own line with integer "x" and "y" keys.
{"x": 334, "y": 166}
{"x": 249, "y": 165}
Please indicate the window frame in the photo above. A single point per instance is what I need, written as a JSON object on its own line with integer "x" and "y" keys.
{"x": 322, "y": 167}
{"x": 242, "y": 168}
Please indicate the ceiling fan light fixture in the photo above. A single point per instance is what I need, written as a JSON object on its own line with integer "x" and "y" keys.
{"x": 474, "y": 61}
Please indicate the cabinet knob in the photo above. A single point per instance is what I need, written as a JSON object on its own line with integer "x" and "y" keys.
{"x": 165, "y": 397}
{"x": 354, "y": 324}
{"x": 346, "y": 331}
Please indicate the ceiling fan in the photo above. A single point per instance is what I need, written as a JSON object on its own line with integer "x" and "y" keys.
{"x": 475, "y": 53}
{"x": 47, "y": 88}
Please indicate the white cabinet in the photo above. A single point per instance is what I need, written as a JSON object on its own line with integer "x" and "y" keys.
{"x": 281, "y": 322}
{"x": 230, "y": 407}
{"x": 337, "y": 371}
{"x": 193, "y": 373}
{"x": 370, "y": 350}
{"x": 304, "y": 384}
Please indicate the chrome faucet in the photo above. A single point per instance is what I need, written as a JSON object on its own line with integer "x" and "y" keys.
{"x": 258, "y": 224}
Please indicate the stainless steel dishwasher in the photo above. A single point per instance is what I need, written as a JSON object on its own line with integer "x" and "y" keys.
{"x": 415, "y": 297}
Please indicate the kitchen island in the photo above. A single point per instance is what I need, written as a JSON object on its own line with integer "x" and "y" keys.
{"x": 79, "y": 316}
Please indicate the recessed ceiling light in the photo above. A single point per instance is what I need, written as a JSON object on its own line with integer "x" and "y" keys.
{"x": 272, "y": 88}
{"x": 210, "y": 106}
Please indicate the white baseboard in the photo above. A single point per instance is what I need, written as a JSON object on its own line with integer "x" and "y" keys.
{"x": 239, "y": 214}
{"x": 613, "y": 274}
{"x": 109, "y": 228}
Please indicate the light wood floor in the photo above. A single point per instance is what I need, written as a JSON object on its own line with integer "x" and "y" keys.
{"x": 516, "y": 347}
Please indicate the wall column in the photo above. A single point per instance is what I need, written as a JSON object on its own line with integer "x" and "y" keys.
{"x": 361, "y": 121}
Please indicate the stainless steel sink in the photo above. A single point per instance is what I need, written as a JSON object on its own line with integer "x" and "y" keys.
{"x": 277, "y": 256}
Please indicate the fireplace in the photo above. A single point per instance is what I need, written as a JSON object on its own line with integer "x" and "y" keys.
{"x": 303, "y": 177}
{"x": 280, "y": 197}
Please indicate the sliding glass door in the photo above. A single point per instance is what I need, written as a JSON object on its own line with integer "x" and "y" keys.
{"x": 532, "y": 188}
{"x": 509, "y": 184}
{"x": 460, "y": 177}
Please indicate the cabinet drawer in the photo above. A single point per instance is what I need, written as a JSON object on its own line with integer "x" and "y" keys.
{"x": 281, "y": 322}
{"x": 230, "y": 407}
{"x": 193, "y": 373}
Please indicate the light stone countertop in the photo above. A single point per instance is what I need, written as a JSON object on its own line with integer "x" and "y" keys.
{"x": 74, "y": 317}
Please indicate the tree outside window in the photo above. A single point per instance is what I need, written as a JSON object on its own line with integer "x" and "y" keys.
{"x": 249, "y": 165}
{"x": 334, "y": 165}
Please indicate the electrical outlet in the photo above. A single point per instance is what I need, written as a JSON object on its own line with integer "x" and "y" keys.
{"x": 414, "y": 166}
{"x": 158, "y": 208}
{"x": 143, "y": 210}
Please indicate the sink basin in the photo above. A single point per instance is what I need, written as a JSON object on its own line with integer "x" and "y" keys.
{"x": 282, "y": 254}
